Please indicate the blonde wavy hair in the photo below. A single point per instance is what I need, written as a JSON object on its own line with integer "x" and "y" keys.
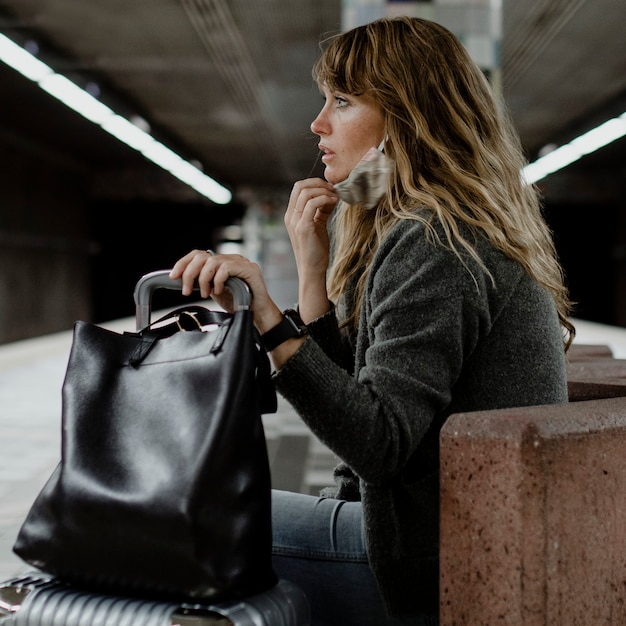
{"x": 454, "y": 148}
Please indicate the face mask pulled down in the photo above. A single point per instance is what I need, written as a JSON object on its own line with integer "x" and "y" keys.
{"x": 367, "y": 182}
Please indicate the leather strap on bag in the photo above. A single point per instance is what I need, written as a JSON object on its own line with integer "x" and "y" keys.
{"x": 190, "y": 318}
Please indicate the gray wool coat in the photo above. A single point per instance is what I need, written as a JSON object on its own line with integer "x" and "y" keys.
{"x": 436, "y": 336}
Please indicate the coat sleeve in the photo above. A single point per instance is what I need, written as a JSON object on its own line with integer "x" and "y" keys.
{"x": 421, "y": 316}
{"x": 335, "y": 344}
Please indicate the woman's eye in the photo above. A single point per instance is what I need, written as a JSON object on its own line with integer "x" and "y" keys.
{"x": 341, "y": 102}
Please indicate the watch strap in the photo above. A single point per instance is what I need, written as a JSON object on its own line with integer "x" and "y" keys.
{"x": 290, "y": 326}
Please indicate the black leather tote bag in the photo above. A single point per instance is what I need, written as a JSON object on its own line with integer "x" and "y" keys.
{"x": 163, "y": 488}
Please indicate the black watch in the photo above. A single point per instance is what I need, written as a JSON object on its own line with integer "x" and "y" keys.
{"x": 290, "y": 326}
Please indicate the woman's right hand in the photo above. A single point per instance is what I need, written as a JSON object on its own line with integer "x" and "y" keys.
{"x": 311, "y": 204}
{"x": 209, "y": 272}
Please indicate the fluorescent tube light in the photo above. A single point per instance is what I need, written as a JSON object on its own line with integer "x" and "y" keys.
{"x": 565, "y": 155}
{"x": 600, "y": 136}
{"x": 22, "y": 61}
{"x": 208, "y": 187}
{"x": 128, "y": 133}
{"x": 79, "y": 100}
{"x": 166, "y": 158}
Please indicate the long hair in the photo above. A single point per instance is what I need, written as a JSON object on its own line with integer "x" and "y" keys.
{"x": 455, "y": 152}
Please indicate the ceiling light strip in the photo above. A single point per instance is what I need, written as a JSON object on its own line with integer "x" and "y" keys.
{"x": 83, "y": 103}
{"x": 565, "y": 155}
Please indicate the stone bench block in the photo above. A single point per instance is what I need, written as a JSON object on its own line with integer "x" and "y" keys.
{"x": 593, "y": 379}
{"x": 584, "y": 352}
{"x": 533, "y": 516}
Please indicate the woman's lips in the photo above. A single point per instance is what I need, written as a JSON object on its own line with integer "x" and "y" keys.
{"x": 327, "y": 154}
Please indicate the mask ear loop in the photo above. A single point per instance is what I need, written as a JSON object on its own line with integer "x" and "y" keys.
{"x": 317, "y": 160}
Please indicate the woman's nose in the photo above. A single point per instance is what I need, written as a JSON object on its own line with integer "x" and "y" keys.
{"x": 319, "y": 126}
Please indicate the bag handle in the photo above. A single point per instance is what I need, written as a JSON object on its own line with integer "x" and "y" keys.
{"x": 195, "y": 317}
{"x": 161, "y": 279}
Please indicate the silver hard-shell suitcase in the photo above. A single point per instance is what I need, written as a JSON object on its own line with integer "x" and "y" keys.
{"x": 38, "y": 599}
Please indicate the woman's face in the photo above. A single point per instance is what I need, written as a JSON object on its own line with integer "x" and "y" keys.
{"x": 348, "y": 126}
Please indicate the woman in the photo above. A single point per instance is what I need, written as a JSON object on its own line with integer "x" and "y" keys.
{"x": 445, "y": 297}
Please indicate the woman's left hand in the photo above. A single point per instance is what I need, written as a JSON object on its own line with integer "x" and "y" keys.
{"x": 311, "y": 204}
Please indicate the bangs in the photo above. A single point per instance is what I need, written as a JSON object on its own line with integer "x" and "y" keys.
{"x": 346, "y": 63}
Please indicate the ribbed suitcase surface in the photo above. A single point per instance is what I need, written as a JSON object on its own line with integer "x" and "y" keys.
{"x": 38, "y": 600}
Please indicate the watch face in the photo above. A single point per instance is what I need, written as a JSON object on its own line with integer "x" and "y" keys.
{"x": 293, "y": 316}
{"x": 290, "y": 326}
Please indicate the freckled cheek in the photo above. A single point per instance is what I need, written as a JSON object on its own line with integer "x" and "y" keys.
{"x": 356, "y": 136}
{"x": 368, "y": 130}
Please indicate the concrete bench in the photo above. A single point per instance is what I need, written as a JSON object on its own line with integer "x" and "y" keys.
{"x": 586, "y": 352}
{"x": 593, "y": 373}
{"x": 533, "y": 516}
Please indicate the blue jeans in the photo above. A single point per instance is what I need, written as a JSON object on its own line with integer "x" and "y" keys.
{"x": 319, "y": 545}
